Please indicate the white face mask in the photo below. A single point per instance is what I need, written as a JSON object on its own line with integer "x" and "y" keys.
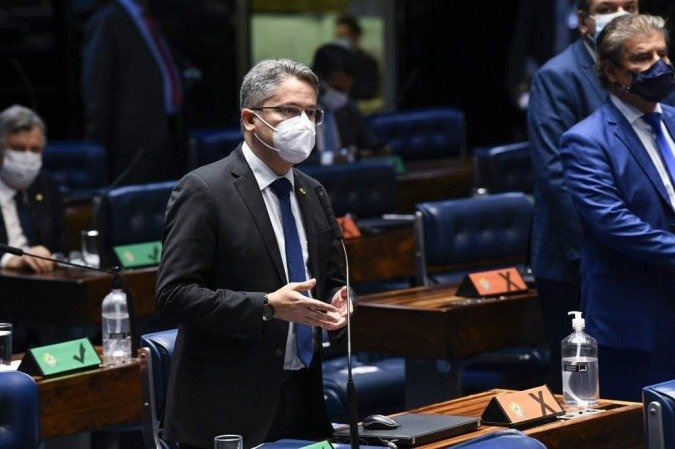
{"x": 20, "y": 168}
{"x": 293, "y": 138}
{"x": 333, "y": 99}
{"x": 601, "y": 21}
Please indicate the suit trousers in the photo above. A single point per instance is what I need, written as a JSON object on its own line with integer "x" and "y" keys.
{"x": 556, "y": 299}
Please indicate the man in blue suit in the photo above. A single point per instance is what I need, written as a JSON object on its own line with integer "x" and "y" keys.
{"x": 619, "y": 166}
{"x": 564, "y": 91}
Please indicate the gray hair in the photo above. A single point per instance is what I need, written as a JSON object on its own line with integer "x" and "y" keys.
{"x": 19, "y": 118}
{"x": 262, "y": 81}
{"x": 610, "y": 44}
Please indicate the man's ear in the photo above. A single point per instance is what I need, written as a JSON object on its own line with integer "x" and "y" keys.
{"x": 609, "y": 69}
{"x": 247, "y": 117}
{"x": 584, "y": 19}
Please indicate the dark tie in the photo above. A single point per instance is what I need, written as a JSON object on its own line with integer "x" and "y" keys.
{"x": 654, "y": 120}
{"x": 295, "y": 263}
{"x": 25, "y": 219}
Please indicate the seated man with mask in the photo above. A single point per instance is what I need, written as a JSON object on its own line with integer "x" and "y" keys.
{"x": 344, "y": 129}
{"x": 31, "y": 207}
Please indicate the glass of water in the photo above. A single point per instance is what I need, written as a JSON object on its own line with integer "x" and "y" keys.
{"x": 5, "y": 343}
{"x": 90, "y": 248}
{"x": 228, "y": 442}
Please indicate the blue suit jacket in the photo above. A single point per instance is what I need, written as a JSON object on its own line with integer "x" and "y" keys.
{"x": 564, "y": 91}
{"x": 628, "y": 257}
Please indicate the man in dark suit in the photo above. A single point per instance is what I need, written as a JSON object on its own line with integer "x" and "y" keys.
{"x": 344, "y": 126}
{"x": 564, "y": 91}
{"x": 245, "y": 240}
{"x": 31, "y": 206}
{"x": 132, "y": 91}
{"x": 348, "y": 33}
{"x": 619, "y": 165}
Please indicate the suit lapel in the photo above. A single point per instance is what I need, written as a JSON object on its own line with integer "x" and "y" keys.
{"x": 306, "y": 209}
{"x": 586, "y": 61}
{"x": 249, "y": 191}
{"x": 625, "y": 132}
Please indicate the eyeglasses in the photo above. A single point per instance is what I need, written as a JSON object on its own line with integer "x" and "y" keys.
{"x": 290, "y": 111}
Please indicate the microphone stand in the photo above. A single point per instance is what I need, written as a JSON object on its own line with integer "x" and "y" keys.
{"x": 116, "y": 271}
{"x": 351, "y": 390}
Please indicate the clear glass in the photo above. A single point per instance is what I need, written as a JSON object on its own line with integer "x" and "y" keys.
{"x": 5, "y": 343}
{"x": 228, "y": 442}
{"x": 90, "y": 248}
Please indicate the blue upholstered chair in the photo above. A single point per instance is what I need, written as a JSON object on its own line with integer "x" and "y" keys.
{"x": 659, "y": 415}
{"x": 78, "y": 167}
{"x": 19, "y": 411}
{"x": 211, "y": 144}
{"x": 417, "y": 134}
{"x": 132, "y": 214}
{"x": 156, "y": 353}
{"x": 504, "y": 168}
{"x": 502, "y": 439}
{"x": 469, "y": 234}
{"x": 477, "y": 234}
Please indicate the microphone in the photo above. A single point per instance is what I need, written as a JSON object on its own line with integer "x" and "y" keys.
{"x": 351, "y": 391}
{"x": 116, "y": 271}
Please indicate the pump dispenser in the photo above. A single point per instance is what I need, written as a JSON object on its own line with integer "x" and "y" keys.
{"x": 579, "y": 365}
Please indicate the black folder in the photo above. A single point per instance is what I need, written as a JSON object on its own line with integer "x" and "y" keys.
{"x": 416, "y": 429}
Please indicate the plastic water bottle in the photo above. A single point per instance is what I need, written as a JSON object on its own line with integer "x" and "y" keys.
{"x": 579, "y": 365}
{"x": 116, "y": 330}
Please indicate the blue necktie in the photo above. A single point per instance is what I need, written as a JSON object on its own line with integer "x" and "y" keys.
{"x": 25, "y": 219}
{"x": 296, "y": 264}
{"x": 654, "y": 120}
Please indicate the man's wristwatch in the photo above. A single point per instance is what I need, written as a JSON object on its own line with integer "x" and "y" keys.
{"x": 268, "y": 310}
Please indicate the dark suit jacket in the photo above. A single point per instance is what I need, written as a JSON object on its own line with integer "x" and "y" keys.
{"x": 220, "y": 256}
{"x": 628, "y": 257}
{"x": 564, "y": 91}
{"x": 45, "y": 204}
{"x": 122, "y": 90}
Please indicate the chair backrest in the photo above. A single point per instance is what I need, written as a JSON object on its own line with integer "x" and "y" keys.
{"x": 416, "y": 134}
{"x": 156, "y": 355}
{"x": 19, "y": 411}
{"x": 475, "y": 230}
{"x": 659, "y": 415}
{"x": 504, "y": 168}
{"x": 77, "y": 166}
{"x": 502, "y": 439}
{"x": 132, "y": 214}
{"x": 365, "y": 189}
{"x": 211, "y": 144}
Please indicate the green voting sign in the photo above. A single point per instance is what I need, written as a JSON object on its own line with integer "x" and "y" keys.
{"x": 73, "y": 355}
{"x": 139, "y": 254}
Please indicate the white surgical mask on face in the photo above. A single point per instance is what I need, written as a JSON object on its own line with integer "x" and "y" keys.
{"x": 333, "y": 98}
{"x": 20, "y": 168}
{"x": 293, "y": 138}
{"x": 601, "y": 21}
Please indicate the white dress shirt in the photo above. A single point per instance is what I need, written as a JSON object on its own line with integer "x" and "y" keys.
{"x": 646, "y": 135}
{"x": 15, "y": 235}
{"x": 264, "y": 177}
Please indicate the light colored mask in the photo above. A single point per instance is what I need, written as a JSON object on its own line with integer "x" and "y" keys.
{"x": 333, "y": 99}
{"x": 602, "y": 20}
{"x": 20, "y": 168}
{"x": 293, "y": 138}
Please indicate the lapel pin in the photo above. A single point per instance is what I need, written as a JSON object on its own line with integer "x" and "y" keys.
{"x": 39, "y": 197}
{"x": 302, "y": 190}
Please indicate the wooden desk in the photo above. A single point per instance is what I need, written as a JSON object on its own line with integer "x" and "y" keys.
{"x": 428, "y": 323}
{"x": 90, "y": 400}
{"x": 433, "y": 180}
{"x": 618, "y": 426}
{"x": 72, "y": 296}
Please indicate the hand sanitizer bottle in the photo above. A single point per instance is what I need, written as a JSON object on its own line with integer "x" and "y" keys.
{"x": 579, "y": 365}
